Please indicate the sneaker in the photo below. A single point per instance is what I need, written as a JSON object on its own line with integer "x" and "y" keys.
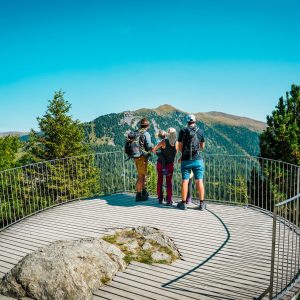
{"x": 169, "y": 203}
{"x": 140, "y": 197}
{"x": 160, "y": 201}
{"x": 145, "y": 195}
{"x": 202, "y": 205}
{"x": 181, "y": 205}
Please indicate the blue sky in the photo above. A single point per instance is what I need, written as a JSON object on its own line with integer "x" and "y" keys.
{"x": 109, "y": 56}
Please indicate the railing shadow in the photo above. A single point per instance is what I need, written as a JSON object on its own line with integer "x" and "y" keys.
{"x": 207, "y": 259}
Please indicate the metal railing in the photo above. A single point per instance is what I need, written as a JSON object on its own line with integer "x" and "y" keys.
{"x": 29, "y": 189}
{"x": 260, "y": 183}
{"x": 285, "y": 247}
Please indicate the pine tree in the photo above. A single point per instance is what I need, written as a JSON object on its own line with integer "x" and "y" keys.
{"x": 60, "y": 135}
{"x": 281, "y": 139}
{"x": 68, "y": 173}
{"x": 275, "y": 182}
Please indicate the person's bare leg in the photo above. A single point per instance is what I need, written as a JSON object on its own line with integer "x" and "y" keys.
{"x": 139, "y": 183}
{"x": 144, "y": 180}
{"x": 184, "y": 189}
{"x": 200, "y": 188}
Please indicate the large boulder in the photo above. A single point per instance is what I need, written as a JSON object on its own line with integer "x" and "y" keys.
{"x": 68, "y": 270}
{"x": 64, "y": 270}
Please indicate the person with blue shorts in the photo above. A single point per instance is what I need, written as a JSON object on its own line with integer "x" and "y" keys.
{"x": 190, "y": 142}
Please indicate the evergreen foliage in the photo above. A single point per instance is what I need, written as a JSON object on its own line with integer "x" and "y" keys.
{"x": 9, "y": 146}
{"x": 281, "y": 139}
{"x": 151, "y": 178}
{"x": 275, "y": 181}
{"x": 68, "y": 173}
{"x": 60, "y": 135}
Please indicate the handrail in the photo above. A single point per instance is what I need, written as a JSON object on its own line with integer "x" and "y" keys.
{"x": 59, "y": 159}
{"x": 287, "y": 201}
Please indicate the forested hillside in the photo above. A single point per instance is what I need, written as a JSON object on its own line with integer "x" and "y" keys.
{"x": 108, "y": 132}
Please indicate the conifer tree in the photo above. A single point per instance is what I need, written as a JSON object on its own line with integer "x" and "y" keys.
{"x": 281, "y": 139}
{"x": 69, "y": 171}
{"x": 60, "y": 135}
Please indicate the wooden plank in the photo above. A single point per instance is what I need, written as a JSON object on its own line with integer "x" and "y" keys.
{"x": 122, "y": 291}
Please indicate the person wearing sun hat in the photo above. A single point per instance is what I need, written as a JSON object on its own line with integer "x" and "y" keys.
{"x": 190, "y": 142}
{"x": 141, "y": 162}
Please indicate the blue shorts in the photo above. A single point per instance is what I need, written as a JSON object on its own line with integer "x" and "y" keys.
{"x": 197, "y": 166}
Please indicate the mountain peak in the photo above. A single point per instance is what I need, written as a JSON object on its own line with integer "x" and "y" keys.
{"x": 165, "y": 108}
{"x": 160, "y": 110}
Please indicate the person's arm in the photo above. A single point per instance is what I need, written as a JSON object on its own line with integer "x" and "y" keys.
{"x": 202, "y": 141}
{"x": 179, "y": 142}
{"x": 161, "y": 144}
{"x": 180, "y": 149}
{"x": 149, "y": 144}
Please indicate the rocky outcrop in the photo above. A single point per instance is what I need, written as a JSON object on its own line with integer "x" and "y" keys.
{"x": 68, "y": 270}
{"x": 64, "y": 270}
{"x": 144, "y": 244}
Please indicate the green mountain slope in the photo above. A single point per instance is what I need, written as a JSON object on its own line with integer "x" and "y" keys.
{"x": 224, "y": 133}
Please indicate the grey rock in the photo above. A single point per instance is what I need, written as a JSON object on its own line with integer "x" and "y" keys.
{"x": 132, "y": 246}
{"x": 124, "y": 240}
{"x": 69, "y": 270}
{"x": 159, "y": 237}
{"x": 9, "y": 298}
{"x": 147, "y": 246}
{"x": 64, "y": 270}
{"x": 158, "y": 256}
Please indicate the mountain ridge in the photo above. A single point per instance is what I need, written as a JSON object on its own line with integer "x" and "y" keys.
{"x": 225, "y": 133}
{"x": 211, "y": 116}
{"x": 14, "y": 133}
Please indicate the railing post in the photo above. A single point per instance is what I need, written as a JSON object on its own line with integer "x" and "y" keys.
{"x": 247, "y": 196}
{"x": 298, "y": 181}
{"x": 124, "y": 174}
{"x": 273, "y": 252}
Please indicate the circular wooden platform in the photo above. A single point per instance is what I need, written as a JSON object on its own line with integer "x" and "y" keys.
{"x": 226, "y": 249}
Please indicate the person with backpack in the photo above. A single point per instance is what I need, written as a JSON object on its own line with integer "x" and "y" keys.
{"x": 190, "y": 142}
{"x": 165, "y": 164}
{"x": 138, "y": 146}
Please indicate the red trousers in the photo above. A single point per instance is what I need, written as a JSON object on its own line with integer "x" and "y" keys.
{"x": 169, "y": 169}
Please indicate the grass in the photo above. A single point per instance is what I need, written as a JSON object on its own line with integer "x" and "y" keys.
{"x": 105, "y": 279}
{"x": 144, "y": 256}
{"x": 112, "y": 239}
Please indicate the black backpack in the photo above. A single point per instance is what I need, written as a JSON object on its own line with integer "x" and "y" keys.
{"x": 135, "y": 144}
{"x": 191, "y": 142}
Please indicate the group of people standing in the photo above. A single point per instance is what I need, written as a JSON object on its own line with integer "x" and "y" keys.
{"x": 189, "y": 143}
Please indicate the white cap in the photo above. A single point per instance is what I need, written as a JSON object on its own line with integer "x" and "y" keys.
{"x": 190, "y": 118}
